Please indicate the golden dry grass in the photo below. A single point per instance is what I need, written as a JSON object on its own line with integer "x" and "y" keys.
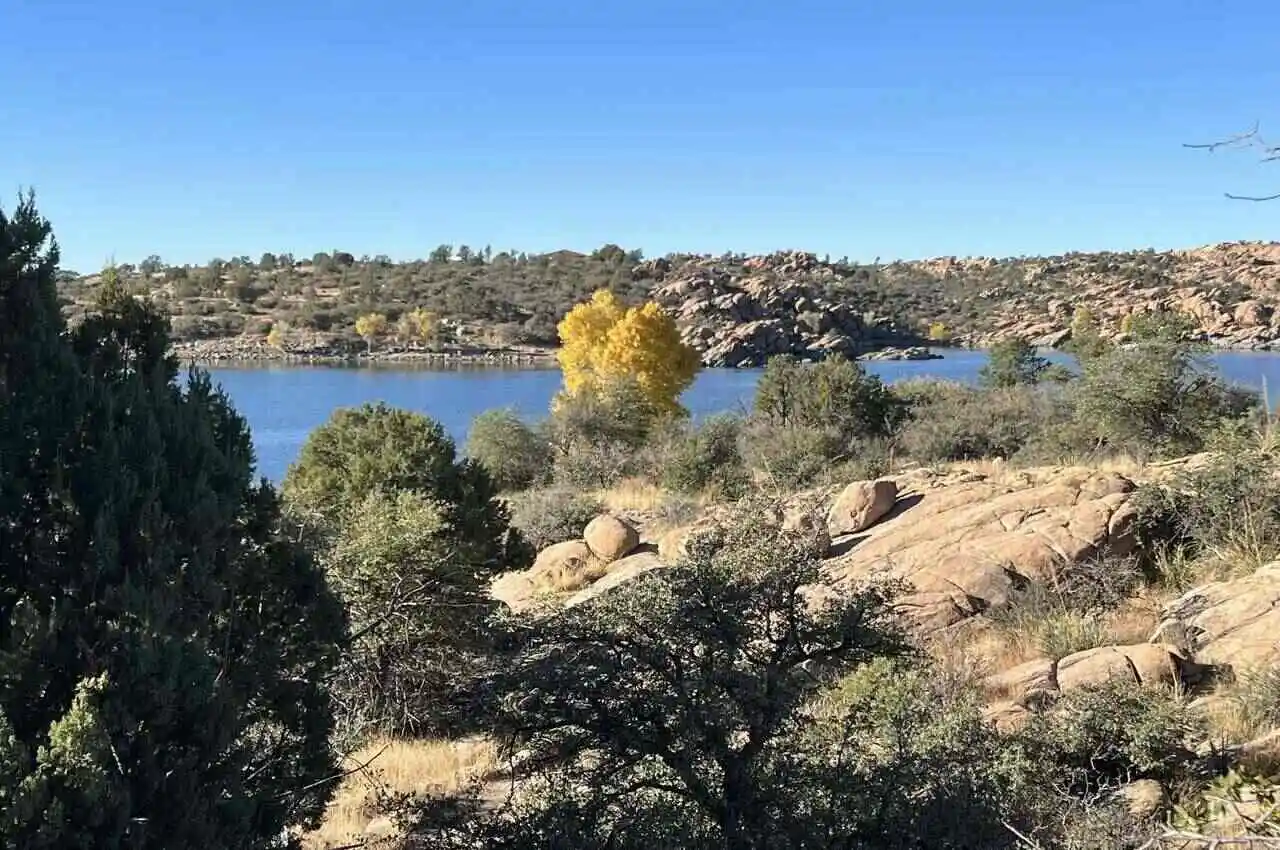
{"x": 563, "y": 578}
{"x": 633, "y": 494}
{"x": 1135, "y": 621}
{"x": 396, "y": 766}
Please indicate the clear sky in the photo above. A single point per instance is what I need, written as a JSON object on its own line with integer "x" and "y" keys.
{"x": 869, "y": 128}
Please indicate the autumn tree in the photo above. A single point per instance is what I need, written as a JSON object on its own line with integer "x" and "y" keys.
{"x": 370, "y": 326}
{"x": 278, "y": 335}
{"x": 418, "y": 325}
{"x": 164, "y": 642}
{"x": 603, "y": 342}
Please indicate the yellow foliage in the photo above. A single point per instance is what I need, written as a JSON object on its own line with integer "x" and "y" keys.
{"x": 938, "y": 332}
{"x": 277, "y": 335}
{"x": 371, "y": 326}
{"x": 603, "y": 343}
{"x": 425, "y": 323}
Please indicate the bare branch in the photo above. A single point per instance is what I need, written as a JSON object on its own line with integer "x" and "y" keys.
{"x": 1247, "y": 139}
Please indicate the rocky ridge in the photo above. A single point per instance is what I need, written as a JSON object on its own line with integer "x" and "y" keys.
{"x": 736, "y": 310}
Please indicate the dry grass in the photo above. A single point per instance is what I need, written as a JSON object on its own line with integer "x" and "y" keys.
{"x": 415, "y": 767}
{"x": 564, "y": 578}
{"x": 633, "y": 494}
{"x": 654, "y": 509}
{"x": 1134, "y": 621}
{"x": 1001, "y": 471}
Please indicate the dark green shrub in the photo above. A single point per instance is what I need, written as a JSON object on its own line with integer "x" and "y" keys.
{"x": 418, "y": 607}
{"x": 707, "y": 458}
{"x": 165, "y": 642}
{"x": 837, "y": 394}
{"x": 1012, "y": 362}
{"x": 1155, "y": 398}
{"x": 514, "y": 454}
{"x": 1097, "y": 739}
{"x": 381, "y": 448}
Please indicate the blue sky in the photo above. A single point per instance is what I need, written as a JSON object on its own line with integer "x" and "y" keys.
{"x": 905, "y": 129}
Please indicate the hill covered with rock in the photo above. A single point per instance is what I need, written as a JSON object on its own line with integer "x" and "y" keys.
{"x": 736, "y": 309}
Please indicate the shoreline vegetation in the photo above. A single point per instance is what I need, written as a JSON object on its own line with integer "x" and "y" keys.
{"x": 248, "y": 352}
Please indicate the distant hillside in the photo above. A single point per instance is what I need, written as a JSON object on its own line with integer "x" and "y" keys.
{"x": 734, "y": 308}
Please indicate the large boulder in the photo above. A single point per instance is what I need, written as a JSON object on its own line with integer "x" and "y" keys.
{"x": 1231, "y": 623}
{"x": 1142, "y": 664}
{"x": 860, "y": 505}
{"x": 620, "y": 572}
{"x": 610, "y": 538}
{"x": 964, "y": 543}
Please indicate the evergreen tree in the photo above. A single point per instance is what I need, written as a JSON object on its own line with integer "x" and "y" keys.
{"x": 163, "y": 646}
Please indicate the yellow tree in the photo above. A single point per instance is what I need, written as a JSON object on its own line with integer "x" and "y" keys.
{"x": 603, "y": 343}
{"x": 371, "y": 326}
{"x": 278, "y": 335}
{"x": 425, "y": 323}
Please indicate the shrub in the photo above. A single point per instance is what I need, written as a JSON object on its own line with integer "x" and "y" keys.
{"x": 835, "y": 394}
{"x": 921, "y": 767}
{"x": 953, "y": 423}
{"x": 1097, "y": 739}
{"x": 707, "y": 458}
{"x": 165, "y": 642}
{"x": 1154, "y": 398}
{"x": 1227, "y": 509}
{"x": 418, "y": 607}
{"x": 1012, "y": 362}
{"x": 713, "y": 762}
{"x": 373, "y": 448}
{"x": 552, "y": 516}
{"x": 790, "y": 457}
{"x": 514, "y": 454}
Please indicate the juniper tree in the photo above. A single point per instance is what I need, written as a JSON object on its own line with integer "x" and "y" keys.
{"x": 163, "y": 646}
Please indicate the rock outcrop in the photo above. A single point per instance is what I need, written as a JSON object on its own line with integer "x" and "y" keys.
{"x": 742, "y": 314}
{"x": 860, "y": 505}
{"x": 1233, "y": 623}
{"x": 964, "y": 545}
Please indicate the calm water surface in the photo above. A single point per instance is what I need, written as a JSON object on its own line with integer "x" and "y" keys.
{"x": 284, "y": 403}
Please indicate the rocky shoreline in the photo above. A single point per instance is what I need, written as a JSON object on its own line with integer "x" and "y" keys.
{"x": 250, "y": 351}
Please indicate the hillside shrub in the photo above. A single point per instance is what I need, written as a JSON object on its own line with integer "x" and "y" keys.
{"x": 954, "y": 423}
{"x": 790, "y": 457}
{"x": 515, "y": 455}
{"x": 378, "y": 448}
{"x": 1097, "y": 739}
{"x": 547, "y": 516}
{"x": 1012, "y": 362}
{"x": 1154, "y": 399}
{"x": 418, "y": 605}
{"x": 1227, "y": 508}
{"x": 706, "y": 458}
{"x": 837, "y": 394}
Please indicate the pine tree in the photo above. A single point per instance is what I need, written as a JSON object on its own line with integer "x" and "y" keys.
{"x": 163, "y": 645}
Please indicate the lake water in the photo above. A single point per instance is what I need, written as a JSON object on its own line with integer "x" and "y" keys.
{"x": 285, "y": 403}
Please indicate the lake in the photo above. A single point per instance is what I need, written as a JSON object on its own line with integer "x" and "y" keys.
{"x": 283, "y": 403}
